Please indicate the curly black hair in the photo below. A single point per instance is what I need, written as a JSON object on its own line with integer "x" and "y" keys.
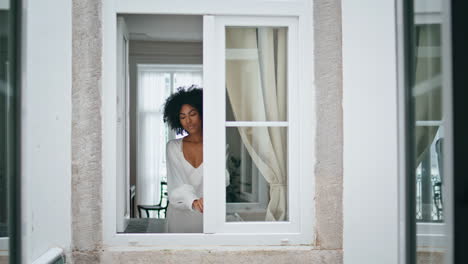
{"x": 192, "y": 95}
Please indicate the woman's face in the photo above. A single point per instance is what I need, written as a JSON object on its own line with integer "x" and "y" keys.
{"x": 190, "y": 119}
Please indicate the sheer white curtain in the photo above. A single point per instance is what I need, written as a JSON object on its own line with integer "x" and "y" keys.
{"x": 152, "y": 87}
{"x": 256, "y": 86}
{"x": 187, "y": 79}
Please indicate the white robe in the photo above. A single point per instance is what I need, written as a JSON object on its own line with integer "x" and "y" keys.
{"x": 184, "y": 185}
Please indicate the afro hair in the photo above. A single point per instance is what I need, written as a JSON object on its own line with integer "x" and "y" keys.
{"x": 192, "y": 95}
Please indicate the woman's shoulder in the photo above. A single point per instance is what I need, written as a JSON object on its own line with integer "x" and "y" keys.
{"x": 174, "y": 144}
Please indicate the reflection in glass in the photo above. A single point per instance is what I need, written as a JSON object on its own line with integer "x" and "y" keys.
{"x": 428, "y": 135}
{"x": 256, "y": 73}
{"x": 257, "y": 164}
{"x": 429, "y": 179}
{"x": 7, "y": 132}
{"x": 3, "y": 121}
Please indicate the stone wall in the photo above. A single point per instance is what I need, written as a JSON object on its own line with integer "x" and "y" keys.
{"x": 86, "y": 132}
{"x": 224, "y": 256}
{"x": 329, "y": 134}
{"x": 86, "y": 146}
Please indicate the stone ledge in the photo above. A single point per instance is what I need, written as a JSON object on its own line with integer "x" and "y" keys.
{"x": 224, "y": 256}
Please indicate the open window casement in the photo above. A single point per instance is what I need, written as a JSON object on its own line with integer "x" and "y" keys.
{"x": 252, "y": 63}
{"x": 258, "y": 128}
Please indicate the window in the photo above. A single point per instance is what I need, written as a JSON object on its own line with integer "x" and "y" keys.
{"x": 256, "y": 57}
{"x": 256, "y": 88}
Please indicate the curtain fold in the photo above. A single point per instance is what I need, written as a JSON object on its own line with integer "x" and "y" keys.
{"x": 151, "y": 91}
{"x": 256, "y": 86}
{"x": 427, "y": 93}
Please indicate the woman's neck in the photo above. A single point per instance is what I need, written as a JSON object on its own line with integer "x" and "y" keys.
{"x": 195, "y": 138}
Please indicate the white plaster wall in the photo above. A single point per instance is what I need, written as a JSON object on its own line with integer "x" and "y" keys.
{"x": 46, "y": 126}
{"x": 370, "y": 132}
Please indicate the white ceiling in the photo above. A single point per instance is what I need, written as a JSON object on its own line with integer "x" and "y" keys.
{"x": 165, "y": 27}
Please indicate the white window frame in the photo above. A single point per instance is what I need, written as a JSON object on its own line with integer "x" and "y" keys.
{"x": 428, "y": 12}
{"x": 302, "y": 12}
{"x": 215, "y": 213}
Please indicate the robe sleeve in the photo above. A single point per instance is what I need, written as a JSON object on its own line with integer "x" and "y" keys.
{"x": 181, "y": 195}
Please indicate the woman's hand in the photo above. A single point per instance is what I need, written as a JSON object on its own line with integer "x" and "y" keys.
{"x": 198, "y": 205}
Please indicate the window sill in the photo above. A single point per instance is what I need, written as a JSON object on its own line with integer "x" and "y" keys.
{"x": 211, "y": 248}
{"x": 195, "y": 240}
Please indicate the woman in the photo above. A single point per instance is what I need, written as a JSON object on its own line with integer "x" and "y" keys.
{"x": 184, "y": 158}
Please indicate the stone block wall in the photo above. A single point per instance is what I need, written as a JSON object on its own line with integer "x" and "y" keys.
{"x": 87, "y": 174}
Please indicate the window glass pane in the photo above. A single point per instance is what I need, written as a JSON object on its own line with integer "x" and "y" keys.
{"x": 188, "y": 79}
{"x": 429, "y": 178}
{"x": 427, "y": 132}
{"x": 155, "y": 86}
{"x": 258, "y": 179}
{"x": 256, "y": 73}
{"x": 9, "y": 99}
{"x": 428, "y": 79}
{"x": 151, "y": 90}
{"x": 3, "y": 121}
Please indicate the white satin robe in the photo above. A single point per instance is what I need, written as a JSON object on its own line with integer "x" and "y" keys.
{"x": 184, "y": 185}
